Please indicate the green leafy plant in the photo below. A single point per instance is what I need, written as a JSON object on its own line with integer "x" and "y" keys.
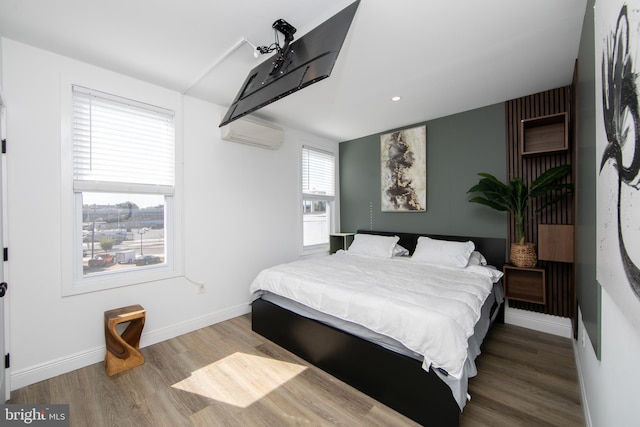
{"x": 514, "y": 197}
{"x": 106, "y": 243}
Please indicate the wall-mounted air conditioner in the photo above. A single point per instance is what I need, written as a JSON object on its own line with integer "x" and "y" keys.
{"x": 250, "y": 132}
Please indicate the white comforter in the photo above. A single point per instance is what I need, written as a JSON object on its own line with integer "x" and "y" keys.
{"x": 430, "y": 310}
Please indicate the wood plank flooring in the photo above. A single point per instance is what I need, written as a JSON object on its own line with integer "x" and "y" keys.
{"x": 226, "y": 375}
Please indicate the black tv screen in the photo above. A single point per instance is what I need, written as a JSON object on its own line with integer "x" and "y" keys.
{"x": 306, "y": 61}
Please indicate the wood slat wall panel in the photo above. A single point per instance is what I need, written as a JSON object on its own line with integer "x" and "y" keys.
{"x": 560, "y": 276}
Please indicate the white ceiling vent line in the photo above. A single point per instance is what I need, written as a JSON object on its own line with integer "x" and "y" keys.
{"x": 246, "y": 131}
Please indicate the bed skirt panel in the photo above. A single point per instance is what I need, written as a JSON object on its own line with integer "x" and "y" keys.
{"x": 393, "y": 379}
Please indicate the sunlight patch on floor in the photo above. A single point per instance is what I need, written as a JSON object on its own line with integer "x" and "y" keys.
{"x": 240, "y": 379}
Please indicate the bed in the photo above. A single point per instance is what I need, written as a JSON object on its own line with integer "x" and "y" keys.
{"x": 393, "y": 370}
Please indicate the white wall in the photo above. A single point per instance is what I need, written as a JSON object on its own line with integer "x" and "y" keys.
{"x": 1, "y": 85}
{"x": 610, "y": 385}
{"x": 240, "y": 214}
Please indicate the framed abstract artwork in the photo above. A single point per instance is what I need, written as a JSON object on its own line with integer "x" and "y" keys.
{"x": 617, "y": 39}
{"x": 403, "y": 170}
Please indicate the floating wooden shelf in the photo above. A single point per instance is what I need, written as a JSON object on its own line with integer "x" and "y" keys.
{"x": 544, "y": 134}
{"x": 555, "y": 242}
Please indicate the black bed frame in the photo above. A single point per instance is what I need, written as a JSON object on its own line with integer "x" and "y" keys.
{"x": 395, "y": 380}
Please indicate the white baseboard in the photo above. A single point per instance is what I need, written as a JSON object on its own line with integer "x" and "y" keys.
{"x": 554, "y": 325}
{"x": 583, "y": 391}
{"x": 43, "y": 371}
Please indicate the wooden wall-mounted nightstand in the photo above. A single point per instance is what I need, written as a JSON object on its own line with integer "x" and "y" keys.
{"x": 525, "y": 284}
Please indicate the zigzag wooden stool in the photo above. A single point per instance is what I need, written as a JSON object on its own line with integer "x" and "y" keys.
{"x": 123, "y": 350}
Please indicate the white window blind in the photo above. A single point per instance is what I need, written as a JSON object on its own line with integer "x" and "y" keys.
{"x": 318, "y": 172}
{"x": 121, "y": 145}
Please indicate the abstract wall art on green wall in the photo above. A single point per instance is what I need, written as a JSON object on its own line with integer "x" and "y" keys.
{"x": 403, "y": 170}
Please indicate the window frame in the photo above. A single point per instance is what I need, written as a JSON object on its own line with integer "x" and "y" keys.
{"x": 74, "y": 282}
{"x": 331, "y": 201}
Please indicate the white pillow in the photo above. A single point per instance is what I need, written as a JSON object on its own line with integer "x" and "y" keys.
{"x": 400, "y": 251}
{"x": 373, "y": 245}
{"x": 477, "y": 258}
{"x": 443, "y": 252}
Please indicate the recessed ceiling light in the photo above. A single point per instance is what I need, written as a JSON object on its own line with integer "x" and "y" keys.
{"x": 395, "y": 98}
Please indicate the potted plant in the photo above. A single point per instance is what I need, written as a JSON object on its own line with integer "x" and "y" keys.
{"x": 514, "y": 198}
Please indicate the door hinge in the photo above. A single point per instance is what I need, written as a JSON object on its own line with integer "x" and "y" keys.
{"x": 7, "y": 360}
{"x": 4, "y": 146}
{"x": 5, "y": 254}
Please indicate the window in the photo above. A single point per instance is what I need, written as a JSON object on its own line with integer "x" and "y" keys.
{"x": 123, "y": 185}
{"x": 318, "y": 194}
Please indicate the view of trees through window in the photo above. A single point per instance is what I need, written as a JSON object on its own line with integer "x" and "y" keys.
{"x": 122, "y": 231}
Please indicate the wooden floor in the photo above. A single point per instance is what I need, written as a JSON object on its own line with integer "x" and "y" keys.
{"x": 225, "y": 375}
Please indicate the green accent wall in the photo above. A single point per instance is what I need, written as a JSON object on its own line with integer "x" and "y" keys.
{"x": 589, "y": 291}
{"x": 458, "y": 147}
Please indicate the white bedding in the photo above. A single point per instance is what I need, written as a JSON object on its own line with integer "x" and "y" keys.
{"x": 431, "y": 310}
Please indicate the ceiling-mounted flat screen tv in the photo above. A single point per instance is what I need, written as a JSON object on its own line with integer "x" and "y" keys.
{"x": 304, "y": 62}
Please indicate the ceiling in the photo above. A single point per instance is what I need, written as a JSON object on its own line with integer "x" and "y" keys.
{"x": 441, "y": 57}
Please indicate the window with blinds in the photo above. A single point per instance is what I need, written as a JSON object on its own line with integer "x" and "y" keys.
{"x": 318, "y": 193}
{"x": 318, "y": 172}
{"x": 119, "y": 141}
{"x": 123, "y": 179}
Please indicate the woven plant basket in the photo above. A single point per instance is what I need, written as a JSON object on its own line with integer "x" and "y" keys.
{"x": 523, "y": 255}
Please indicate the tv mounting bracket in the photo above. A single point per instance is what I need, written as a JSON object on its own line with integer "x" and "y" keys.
{"x": 288, "y": 31}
